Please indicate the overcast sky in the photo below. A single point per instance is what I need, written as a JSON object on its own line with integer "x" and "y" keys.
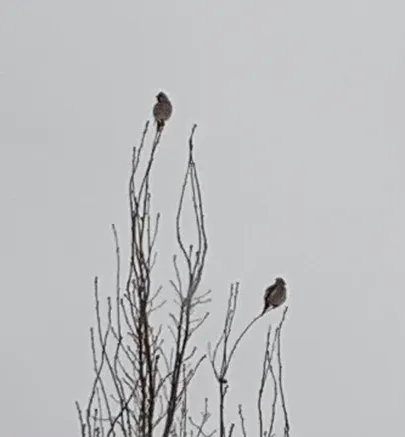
{"x": 300, "y": 146}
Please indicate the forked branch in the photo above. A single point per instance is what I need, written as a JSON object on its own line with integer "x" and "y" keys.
{"x": 137, "y": 387}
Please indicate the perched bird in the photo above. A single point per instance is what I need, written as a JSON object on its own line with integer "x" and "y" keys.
{"x": 275, "y": 295}
{"x": 162, "y": 110}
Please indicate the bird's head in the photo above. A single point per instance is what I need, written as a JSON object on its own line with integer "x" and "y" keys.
{"x": 280, "y": 281}
{"x": 161, "y": 96}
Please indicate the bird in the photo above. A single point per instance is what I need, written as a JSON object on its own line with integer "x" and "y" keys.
{"x": 162, "y": 110}
{"x": 275, "y": 295}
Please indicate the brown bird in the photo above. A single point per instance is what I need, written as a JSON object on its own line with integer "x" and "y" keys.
{"x": 275, "y": 295}
{"x": 162, "y": 110}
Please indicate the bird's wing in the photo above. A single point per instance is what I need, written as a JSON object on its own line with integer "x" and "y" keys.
{"x": 279, "y": 296}
{"x": 267, "y": 297}
{"x": 268, "y": 292}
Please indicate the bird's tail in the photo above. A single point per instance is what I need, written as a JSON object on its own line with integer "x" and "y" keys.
{"x": 160, "y": 124}
{"x": 266, "y": 310}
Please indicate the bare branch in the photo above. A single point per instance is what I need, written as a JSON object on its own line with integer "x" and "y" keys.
{"x": 280, "y": 376}
{"x": 242, "y": 421}
{"x": 144, "y": 369}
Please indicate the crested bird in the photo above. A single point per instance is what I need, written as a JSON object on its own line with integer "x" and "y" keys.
{"x": 275, "y": 295}
{"x": 162, "y": 110}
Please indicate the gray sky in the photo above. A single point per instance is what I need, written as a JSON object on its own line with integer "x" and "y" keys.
{"x": 300, "y": 147}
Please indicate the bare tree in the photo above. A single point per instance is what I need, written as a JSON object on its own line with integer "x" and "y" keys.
{"x": 142, "y": 377}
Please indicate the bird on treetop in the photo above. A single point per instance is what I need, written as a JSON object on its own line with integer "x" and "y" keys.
{"x": 275, "y": 295}
{"x": 162, "y": 110}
